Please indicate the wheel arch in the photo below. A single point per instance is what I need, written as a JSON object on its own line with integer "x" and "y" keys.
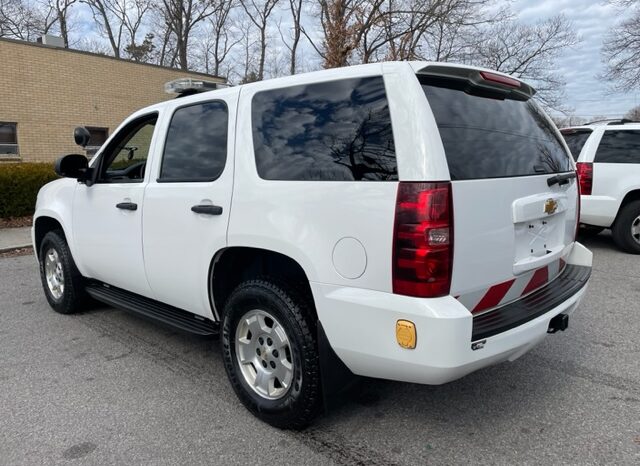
{"x": 42, "y": 225}
{"x": 631, "y": 196}
{"x": 230, "y": 266}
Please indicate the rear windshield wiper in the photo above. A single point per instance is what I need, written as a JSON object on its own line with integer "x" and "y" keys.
{"x": 561, "y": 178}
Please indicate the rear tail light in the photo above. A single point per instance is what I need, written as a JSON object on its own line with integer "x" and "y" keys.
{"x": 585, "y": 177}
{"x": 423, "y": 239}
{"x": 578, "y": 205}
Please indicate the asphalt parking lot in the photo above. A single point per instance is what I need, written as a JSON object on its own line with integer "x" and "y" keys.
{"x": 108, "y": 387}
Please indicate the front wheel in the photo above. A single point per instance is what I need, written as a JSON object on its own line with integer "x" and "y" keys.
{"x": 270, "y": 353}
{"x": 61, "y": 280}
{"x": 626, "y": 230}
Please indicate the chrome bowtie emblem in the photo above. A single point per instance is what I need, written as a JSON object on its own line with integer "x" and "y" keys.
{"x": 550, "y": 206}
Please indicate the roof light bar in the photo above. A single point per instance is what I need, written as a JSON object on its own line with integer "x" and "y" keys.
{"x": 188, "y": 86}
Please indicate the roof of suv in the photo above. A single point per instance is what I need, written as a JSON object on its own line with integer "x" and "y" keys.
{"x": 417, "y": 67}
{"x": 607, "y": 124}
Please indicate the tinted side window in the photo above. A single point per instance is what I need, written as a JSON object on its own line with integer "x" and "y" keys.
{"x": 196, "y": 146}
{"x": 576, "y": 139}
{"x": 331, "y": 131}
{"x": 125, "y": 159}
{"x": 619, "y": 147}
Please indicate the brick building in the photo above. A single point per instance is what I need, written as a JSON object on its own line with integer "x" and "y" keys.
{"x": 45, "y": 92}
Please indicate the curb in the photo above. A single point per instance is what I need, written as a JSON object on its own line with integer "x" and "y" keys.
{"x": 13, "y": 248}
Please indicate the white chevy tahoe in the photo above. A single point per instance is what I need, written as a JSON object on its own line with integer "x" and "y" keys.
{"x": 608, "y": 162}
{"x": 408, "y": 221}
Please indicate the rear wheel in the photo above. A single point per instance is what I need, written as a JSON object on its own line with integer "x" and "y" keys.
{"x": 589, "y": 231}
{"x": 60, "y": 277}
{"x": 626, "y": 230}
{"x": 270, "y": 353}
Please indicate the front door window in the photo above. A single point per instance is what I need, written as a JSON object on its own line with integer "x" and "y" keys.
{"x": 125, "y": 160}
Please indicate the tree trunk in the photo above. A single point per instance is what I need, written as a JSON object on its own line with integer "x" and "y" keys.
{"x": 263, "y": 51}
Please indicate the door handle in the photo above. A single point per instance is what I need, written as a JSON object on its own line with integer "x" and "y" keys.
{"x": 207, "y": 209}
{"x": 127, "y": 206}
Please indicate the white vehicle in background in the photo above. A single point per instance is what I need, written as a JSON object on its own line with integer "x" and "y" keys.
{"x": 408, "y": 221}
{"x": 608, "y": 162}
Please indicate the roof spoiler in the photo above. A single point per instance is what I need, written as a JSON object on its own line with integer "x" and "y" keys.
{"x": 479, "y": 82}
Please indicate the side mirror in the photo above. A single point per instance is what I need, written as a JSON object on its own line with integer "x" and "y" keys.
{"x": 72, "y": 166}
{"x": 81, "y": 136}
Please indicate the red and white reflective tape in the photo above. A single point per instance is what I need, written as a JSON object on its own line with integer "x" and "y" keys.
{"x": 511, "y": 290}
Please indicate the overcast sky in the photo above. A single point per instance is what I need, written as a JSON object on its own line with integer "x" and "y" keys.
{"x": 580, "y": 65}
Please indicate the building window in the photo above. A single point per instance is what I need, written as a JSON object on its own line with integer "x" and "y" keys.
{"x": 8, "y": 139}
{"x": 96, "y": 140}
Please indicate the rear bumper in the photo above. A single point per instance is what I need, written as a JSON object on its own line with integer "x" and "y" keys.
{"x": 562, "y": 288}
{"x": 599, "y": 211}
{"x": 360, "y": 326}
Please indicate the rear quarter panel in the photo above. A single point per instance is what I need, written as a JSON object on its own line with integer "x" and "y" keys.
{"x": 306, "y": 220}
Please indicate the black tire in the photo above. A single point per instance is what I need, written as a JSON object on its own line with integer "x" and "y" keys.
{"x": 300, "y": 404}
{"x": 589, "y": 231}
{"x": 73, "y": 297}
{"x": 629, "y": 216}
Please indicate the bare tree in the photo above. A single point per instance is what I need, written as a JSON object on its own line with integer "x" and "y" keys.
{"x": 457, "y": 32}
{"x": 405, "y": 25}
{"x": 373, "y": 30}
{"x": 108, "y": 22}
{"x": 143, "y": 51}
{"x": 295, "y": 8}
{"x": 621, "y": 48}
{"x": 633, "y": 114}
{"x": 528, "y": 52}
{"x": 249, "y": 43}
{"x": 93, "y": 45}
{"x": 259, "y": 12}
{"x": 344, "y": 24}
{"x": 20, "y": 19}
{"x": 179, "y": 19}
{"x": 119, "y": 21}
{"x": 220, "y": 38}
{"x": 60, "y": 16}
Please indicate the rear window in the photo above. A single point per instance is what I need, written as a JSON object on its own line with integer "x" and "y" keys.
{"x": 492, "y": 138}
{"x": 621, "y": 146}
{"x": 576, "y": 139}
{"x": 330, "y": 131}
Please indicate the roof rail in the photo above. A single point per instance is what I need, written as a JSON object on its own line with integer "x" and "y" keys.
{"x": 612, "y": 121}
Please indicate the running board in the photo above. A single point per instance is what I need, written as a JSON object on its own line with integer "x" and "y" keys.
{"x": 155, "y": 310}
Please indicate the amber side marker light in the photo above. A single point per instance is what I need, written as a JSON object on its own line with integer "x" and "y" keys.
{"x": 406, "y": 334}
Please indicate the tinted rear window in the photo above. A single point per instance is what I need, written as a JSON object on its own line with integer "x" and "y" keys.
{"x": 331, "y": 131}
{"x": 491, "y": 138}
{"x": 576, "y": 140}
{"x": 619, "y": 147}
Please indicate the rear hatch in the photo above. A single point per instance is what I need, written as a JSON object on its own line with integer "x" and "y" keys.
{"x": 513, "y": 185}
{"x": 576, "y": 139}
